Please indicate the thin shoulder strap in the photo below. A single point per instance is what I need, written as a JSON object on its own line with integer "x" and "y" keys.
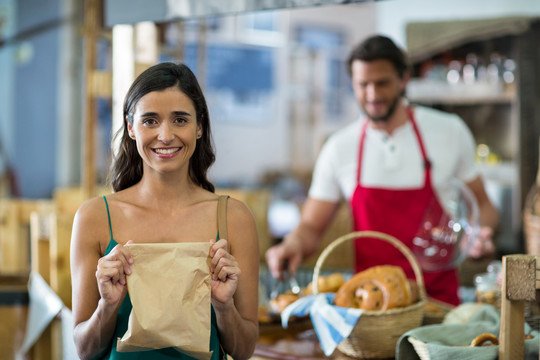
{"x": 222, "y": 217}
{"x": 108, "y": 215}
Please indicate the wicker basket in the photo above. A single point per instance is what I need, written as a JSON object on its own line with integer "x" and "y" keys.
{"x": 376, "y": 333}
{"x": 435, "y": 317}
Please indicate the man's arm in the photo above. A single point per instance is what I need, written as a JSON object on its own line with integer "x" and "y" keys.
{"x": 304, "y": 241}
{"x": 489, "y": 220}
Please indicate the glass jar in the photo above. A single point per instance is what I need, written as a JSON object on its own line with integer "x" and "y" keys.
{"x": 487, "y": 285}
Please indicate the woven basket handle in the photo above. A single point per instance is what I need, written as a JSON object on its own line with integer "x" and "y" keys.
{"x": 377, "y": 235}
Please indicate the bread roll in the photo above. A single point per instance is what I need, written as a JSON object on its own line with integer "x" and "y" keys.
{"x": 377, "y": 288}
{"x": 330, "y": 283}
{"x": 279, "y": 303}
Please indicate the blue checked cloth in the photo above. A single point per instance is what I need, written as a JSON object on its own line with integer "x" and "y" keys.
{"x": 333, "y": 324}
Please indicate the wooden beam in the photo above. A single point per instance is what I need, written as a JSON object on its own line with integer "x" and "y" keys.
{"x": 518, "y": 285}
{"x": 91, "y": 33}
{"x": 40, "y": 235}
{"x": 101, "y": 84}
{"x": 521, "y": 277}
{"x": 59, "y": 250}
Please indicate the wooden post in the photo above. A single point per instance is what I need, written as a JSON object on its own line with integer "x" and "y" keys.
{"x": 60, "y": 265}
{"x": 10, "y": 234}
{"x": 40, "y": 235}
{"x": 519, "y": 284}
{"x": 91, "y": 29}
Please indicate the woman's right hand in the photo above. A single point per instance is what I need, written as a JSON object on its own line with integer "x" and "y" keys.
{"x": 111, "y": 273}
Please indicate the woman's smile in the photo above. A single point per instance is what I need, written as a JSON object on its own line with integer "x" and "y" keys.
{"x": 166, "y": 152}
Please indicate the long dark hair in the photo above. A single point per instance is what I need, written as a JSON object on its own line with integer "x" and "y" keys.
{"x": 127, "y": 165}
{"x": 379, "y": 47}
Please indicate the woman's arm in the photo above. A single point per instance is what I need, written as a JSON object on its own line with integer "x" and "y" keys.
{"x": 235, "y": 283}
{"x": 95, "y": 303}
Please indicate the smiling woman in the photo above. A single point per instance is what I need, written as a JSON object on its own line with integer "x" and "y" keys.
{"x": 162, "y": 195}
{"x": 165, "y": 128}
{"x": 128, "y": 168}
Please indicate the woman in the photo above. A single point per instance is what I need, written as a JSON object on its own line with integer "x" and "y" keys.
{"x": 162, "y": 195}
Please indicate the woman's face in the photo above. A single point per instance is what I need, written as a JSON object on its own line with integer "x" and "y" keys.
{"x": 165, "y": 129}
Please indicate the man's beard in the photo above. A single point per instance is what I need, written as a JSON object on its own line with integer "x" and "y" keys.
{"x": 389, "y": 113}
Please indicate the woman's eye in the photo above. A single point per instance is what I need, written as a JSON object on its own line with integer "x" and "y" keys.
{"x": 149, "y": 122}
{"x": 180, "y": 120}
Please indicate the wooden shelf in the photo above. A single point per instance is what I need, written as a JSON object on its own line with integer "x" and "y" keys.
{"x": 438, "y": 92}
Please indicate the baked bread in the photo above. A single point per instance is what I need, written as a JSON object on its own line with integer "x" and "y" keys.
{"x": 377, "y": 288}
{"x": 330, "y": 283}
{"x": 279, "y": 303}
{"x": 484, "y": 338}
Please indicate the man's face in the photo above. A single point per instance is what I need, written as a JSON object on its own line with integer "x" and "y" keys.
{"x": 377, "y": 87}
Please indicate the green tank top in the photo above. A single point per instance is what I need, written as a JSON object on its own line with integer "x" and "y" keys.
{"x": 160, "y": 354}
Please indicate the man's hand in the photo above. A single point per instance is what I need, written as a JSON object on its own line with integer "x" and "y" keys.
{"x": 288, "y": 252}
{"x": 482, "y": 245}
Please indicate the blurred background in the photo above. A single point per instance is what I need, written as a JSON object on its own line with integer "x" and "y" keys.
{"x": 276, "y": 85}
{"x": 275, "y": 80}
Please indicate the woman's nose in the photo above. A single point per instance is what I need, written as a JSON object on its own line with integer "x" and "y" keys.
{"x": 166, "y": 134}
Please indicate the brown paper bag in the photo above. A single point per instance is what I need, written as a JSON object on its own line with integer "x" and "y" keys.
{"x": 169, "y": 288}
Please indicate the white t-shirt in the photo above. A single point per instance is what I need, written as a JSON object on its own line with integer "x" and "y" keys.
{"x": 395, "y": 161}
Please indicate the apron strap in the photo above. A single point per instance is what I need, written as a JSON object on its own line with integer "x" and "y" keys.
{"x": 427, "y": 163}
{"x": 361, "y": 151}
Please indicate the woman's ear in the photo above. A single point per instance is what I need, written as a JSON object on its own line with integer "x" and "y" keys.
{"x": 199, "y": 131}
{"x": 130, "y": 129}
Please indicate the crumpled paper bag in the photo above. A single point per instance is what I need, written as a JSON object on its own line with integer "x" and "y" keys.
{"x": 169, "y": 288}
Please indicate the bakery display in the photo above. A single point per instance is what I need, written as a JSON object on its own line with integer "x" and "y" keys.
{"x": 381, "y": 287}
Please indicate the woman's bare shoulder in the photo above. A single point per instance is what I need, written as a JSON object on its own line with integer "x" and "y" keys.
{"x": 238, "y": 208}
{"x": 240, "y": 219}
{"x": 91, "y": 208}
{"x": 91, "y": 221}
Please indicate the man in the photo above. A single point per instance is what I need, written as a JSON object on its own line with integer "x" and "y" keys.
{"x": 390, "y": 166}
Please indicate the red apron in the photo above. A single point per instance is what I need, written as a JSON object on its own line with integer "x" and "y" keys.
{"x": 398, "y": 212}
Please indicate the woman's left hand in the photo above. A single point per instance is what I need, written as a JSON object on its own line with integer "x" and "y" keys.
{"x": 224, "y": 271}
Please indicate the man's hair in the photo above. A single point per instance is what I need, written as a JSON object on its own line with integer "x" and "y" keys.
{"x": 379, "y": 47}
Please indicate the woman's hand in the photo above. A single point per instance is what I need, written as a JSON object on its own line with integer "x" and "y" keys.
{"x": 111, "y": 274}
{"x": 225, "y": 272}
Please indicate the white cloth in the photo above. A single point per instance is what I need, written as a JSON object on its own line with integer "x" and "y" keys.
{"x": 332, "y": 324}
{"x": 395, "y": 161}
{"x": 44, "y": 306}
